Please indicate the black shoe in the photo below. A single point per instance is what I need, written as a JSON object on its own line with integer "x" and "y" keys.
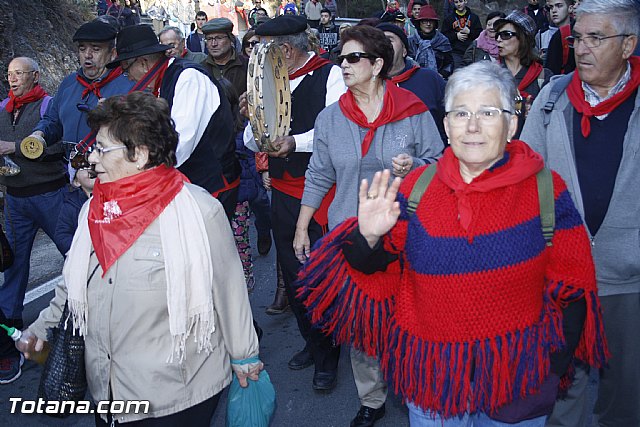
{"x": 301, "y": 360}
{"x": 264, "y": 244}
{"x": 325, "y": 381}
{"x": 367, "y": 417}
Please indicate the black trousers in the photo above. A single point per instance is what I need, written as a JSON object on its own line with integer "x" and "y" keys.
{"x": 197, "y": 416}
{"x": 284, "y": 215}
{"x": 229, "y": 199}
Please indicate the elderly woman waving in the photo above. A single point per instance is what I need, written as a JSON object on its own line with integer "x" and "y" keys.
{"x": 375, "y": 125}
{"x": 152, "y": 280}
{"x": 452, "y": 277}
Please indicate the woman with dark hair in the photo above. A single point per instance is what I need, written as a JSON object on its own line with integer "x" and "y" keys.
{"x": 485, "y": 47}
{"x": 152, "y": 281}
{"x": 249, "y": 41}
{"x": 374, "y": 126}
{"x": 515, "y": 35}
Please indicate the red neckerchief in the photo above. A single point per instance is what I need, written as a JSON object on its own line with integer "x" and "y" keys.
{"x": 403, "y": 77}
{"x": 160, "y": 74}
{"x": 397, "y": 104}
{"x": 522, "y": 163}
{"x": 313, "y": 64}
{"x": 184, "y": 52}
{"x": 120, "y": 211}
{"x": 16, "y": 102}
{"x": 576, "y": 96}
{"x": 530, "y": 76}
{"x": 94, "y": 86}
{"x": 565, "y": 31}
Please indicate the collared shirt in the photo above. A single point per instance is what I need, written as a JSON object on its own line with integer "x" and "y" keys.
{"x": 592, "y": 97}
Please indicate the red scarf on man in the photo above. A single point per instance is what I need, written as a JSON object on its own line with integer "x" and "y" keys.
{"x": 120, "y": 211}
{"x": 523, "y": 162}
{"x": 313, "y": 64}
{"x": 16, "y": 102}
{"x": 576, "y": 96}
{"x": 397, "y": 104}
{"x": 530, "y": 76}
{"x": 404, "y": 76}
{"x": 95, "y": 86}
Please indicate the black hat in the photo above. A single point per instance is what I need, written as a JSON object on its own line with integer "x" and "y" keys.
{"x": 95, "y": 31}
{"x": 392, "y": 28}
{"x": 135, "y": 41}
{"x": 283, "y": 25}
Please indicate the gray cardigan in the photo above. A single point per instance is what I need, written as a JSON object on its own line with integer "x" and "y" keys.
{"x": 337, "y": 156}
{"x": 616, "y": 245}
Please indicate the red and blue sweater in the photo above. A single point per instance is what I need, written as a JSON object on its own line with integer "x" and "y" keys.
{"x": 462, "y": 319}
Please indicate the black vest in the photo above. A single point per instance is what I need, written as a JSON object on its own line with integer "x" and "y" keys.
{"x": 214, "y": 155}
{"x": 306, "y": 103}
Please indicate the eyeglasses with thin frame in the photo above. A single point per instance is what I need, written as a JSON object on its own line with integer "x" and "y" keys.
{"x": 17, "y": 73}
{"x": 506, "y": 35}
{"x": 354, "y": 57}
{"x": 102, "y": 151}
{"x": 217, "y": 39}
{"x": 486, "y": 116}
{"x": 591, "y": 41}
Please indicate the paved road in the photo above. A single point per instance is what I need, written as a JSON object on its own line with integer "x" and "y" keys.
{"x": 298, "y": 404}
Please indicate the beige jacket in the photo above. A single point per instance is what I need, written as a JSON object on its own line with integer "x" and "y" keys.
{"x": 128, "y": 339}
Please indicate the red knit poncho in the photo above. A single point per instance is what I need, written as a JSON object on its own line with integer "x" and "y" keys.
{"x": 467, "y": 317}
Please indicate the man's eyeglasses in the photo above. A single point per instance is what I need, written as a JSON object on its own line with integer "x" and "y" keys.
{"x": 102, "y": 151}
{"x": 591, "y": 41}
{"x": 18, "y": 74}
{"x": 486, "y": 116}
{"x": 216, "y": 39}
{"x": 506, "y": 35}
{"x": 354, "y": 57}
{"x": 125, "y": 65}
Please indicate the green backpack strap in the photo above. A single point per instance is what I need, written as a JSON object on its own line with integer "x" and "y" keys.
{"x": 420, "y": 187}
{"x": 547, "y": 204}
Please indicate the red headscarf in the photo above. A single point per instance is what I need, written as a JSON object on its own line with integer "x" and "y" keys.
{"x": 16, "y": 102}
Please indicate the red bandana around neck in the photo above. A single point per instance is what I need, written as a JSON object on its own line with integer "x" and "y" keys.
{"x": 95, "y": 86}
{"x": 120, "y": 211}
{"x": 522, "y": 163}
{"x": 16, "y": 102}
{"x": 576, "y": 96}
{"x": 313, "y": 64}
{"x": 164, "y": 64}
{"x": 404, "y": 76}
{"x": 397, "y": 104}
{"x": 530, "y": 76}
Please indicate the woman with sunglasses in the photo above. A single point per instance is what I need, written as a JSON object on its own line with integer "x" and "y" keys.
{"x": 515, "y": 35}
{"x": 474, "y": 302}
{"x": 249, "y": 41}
{"x": 485, "y": 47}
{"x": 375, "y": 125}
{"x": 152, "y": 281}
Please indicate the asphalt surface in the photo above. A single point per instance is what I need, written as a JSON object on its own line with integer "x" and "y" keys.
{"x": 297, "y": 403}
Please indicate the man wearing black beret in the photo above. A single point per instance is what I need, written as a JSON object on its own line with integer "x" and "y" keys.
{"x": 315, "y": 83}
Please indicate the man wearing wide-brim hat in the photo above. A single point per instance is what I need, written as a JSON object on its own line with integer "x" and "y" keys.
{"x": 223, "y": 60}
{"x": 199, "y": 108}
{"x": 315, "y": 83}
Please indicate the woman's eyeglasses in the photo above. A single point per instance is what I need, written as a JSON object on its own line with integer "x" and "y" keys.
{"x": 354, "y": 57}
{"x": 486, "y": 116}
{"x": 102, "y": 151}
{"x": 254, "y": 43}
{"x": 506, "y": 35}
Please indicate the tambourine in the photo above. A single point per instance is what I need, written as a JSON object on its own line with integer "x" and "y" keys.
{"x": 268, "y": 95}
{"x": 32, "y": 146}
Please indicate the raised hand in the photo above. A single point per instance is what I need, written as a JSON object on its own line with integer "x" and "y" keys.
{"x": 378, "y": 211}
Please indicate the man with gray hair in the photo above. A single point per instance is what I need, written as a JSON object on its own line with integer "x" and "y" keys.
{"x": 173, "y": 36}
{"x": 587, "y": 127}
{"x": 224, "y": 60}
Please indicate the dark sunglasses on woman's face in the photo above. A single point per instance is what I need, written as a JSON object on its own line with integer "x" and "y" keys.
{"x": 254, "y": 43}
{"x": 506, "y": 35}
{"x": 354, "y": 57}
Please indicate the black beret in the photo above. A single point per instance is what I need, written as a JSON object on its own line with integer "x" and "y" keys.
{"x": 283, "y": 25}
{"x": 95, "y": 31}
{"x": 392, "y": 28}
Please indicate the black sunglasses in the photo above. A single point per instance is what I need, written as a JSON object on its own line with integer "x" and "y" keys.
{"x": 506, "y": 35}
{"x": 354, "y": 57}
{"x": 254, "y": 43}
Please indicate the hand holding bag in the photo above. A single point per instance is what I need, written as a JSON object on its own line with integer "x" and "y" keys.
{"x": 251, "y": 406}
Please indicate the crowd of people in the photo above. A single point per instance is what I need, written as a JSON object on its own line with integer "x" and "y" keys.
{"x": 454, "y": 206}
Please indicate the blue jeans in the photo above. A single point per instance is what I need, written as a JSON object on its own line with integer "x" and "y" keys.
{"x": 420, "y": 418}
{"x": 23, "y": 217}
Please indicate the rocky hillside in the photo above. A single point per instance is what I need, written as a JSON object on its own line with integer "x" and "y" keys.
{"x": 41, "y": 29}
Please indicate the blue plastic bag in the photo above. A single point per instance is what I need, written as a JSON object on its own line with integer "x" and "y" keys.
{"x": 252, "y": 406}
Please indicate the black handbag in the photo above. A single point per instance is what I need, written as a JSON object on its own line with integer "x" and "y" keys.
{"x": 6, "y": 253}
{"x": 64, "y": 377}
